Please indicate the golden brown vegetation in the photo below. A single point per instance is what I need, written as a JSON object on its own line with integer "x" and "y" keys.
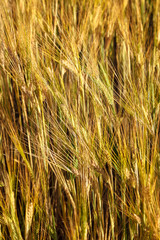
{"x": 79, "y": 119}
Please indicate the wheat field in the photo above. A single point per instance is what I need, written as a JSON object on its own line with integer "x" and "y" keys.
{"x": 79, "y": 119}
